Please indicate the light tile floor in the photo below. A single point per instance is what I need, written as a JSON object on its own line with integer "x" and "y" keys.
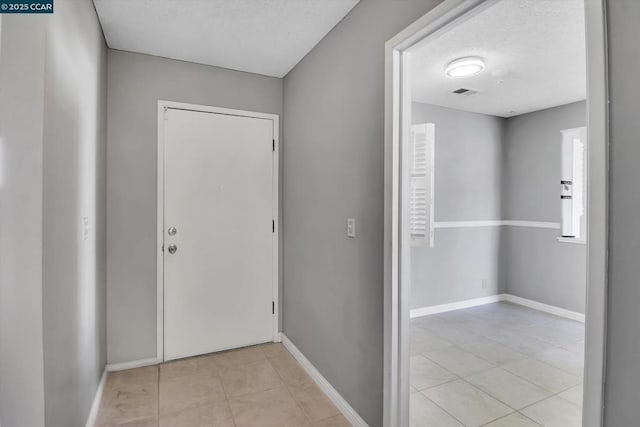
{"x": 254, "y": 386}
{"x": 496, "y": 365}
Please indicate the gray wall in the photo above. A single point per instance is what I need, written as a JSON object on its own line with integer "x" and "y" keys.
{"x": 462, "y": 261}
{"x": 468, "y": 179}
{"x": 21, "y": 113}
{"x": 532, "y": 161}
{"x": 468, "y": 153}
{"x": 492, "y": 168}
{"x": 536, "y": 265}
{"x": 623, "y": 341}
{"x": 52, "y": 142}
{"x": 334, "y": 169}
{"x": 74, "y": 264}
{"x": 135, "y": 84}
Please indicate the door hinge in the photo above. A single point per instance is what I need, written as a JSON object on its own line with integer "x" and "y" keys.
{"x": 273, "y": 226}
{"x": 274, "y": 144}
{"x": 162, "y": 248}
{"x": 273, "y": 307}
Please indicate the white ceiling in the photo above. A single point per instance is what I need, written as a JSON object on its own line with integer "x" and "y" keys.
{"x": 259, "y": 36}
{"x": 534, "y": 52}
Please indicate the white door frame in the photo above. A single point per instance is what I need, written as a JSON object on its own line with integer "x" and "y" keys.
{"x": 162, "y": 107}
{"x": 396, "y": 291}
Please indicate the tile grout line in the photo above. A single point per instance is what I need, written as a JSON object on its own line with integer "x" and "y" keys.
{"x": 462, "y": 349}
{"x": 546, "y": 389}
{"x": 549, "y": 397}
{"x": 514, "y": 410}
{"x": 459, "y": 377}
{"x": 491, "y": 340}
{"x": 220, "y": 374}
{"x": 511, "y": 407}
{"x": 233, "y": 418}
{"x": 506, "y": 370}
{"x": 444, "y": 410}
{"x": 552, "y": 346}
{"x": 420, "y": 390}
{"x": 542, "y": 400}
{"x": 219, "y": 377}
{"x": 287, "y": 385}
{"x": 226, "y": 399}
{"x": 461, "y": 325}
{"x": 508, "y": 415}
{"x": 527, "y": 356}
{"x": 553, "y": 366}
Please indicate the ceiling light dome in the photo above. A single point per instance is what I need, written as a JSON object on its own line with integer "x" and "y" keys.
{"x": 465, "y": 67}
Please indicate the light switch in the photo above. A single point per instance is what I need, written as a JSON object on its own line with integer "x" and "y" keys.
{"x": 351, "y": 227}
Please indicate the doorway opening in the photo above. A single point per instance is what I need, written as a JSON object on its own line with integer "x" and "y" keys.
{"x": 496, "y": 200}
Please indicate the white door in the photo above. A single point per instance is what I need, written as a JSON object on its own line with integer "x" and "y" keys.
{"x": 218, "y": 195}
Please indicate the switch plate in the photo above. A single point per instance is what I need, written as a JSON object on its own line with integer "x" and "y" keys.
{"x": 351, "y": 227}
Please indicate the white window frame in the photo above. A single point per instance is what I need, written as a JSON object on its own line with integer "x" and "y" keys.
{"x": 578, "y": 189}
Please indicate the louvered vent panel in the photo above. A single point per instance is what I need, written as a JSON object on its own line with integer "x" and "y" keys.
{"x": 421, "y": 185}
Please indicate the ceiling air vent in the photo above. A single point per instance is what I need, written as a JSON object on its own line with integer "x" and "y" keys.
{"x": 464, "y": 91}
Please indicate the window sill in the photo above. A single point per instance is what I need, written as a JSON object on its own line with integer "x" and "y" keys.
{"x": 572, "y": 240}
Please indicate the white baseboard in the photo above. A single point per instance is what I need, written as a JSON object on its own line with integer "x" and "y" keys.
{"x": 95, "y": 406}
{"x": 349, "y": 413}
{"x": 435, "y": 309}
{"x": 133, "y": 364}
{"x": 551, "y": 309}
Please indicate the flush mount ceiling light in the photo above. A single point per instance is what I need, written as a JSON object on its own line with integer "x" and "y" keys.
{"x": 465, "y": 67}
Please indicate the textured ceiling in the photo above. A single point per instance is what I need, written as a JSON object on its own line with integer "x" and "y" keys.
{"x": 534, "y": 52}
{"x": 260, "y": 36}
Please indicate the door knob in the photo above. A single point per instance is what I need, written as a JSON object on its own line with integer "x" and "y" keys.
{"x": 172, "y": 249}
{"x": 172, "y": 231}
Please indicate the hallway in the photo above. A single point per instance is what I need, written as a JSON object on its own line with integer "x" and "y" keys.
{"x": 255, "y": 386}
{"x": 134, "y": 244}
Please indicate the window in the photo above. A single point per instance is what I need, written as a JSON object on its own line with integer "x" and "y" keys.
{"x": 573, "y": 181}
{"x": 421, "y": 189}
